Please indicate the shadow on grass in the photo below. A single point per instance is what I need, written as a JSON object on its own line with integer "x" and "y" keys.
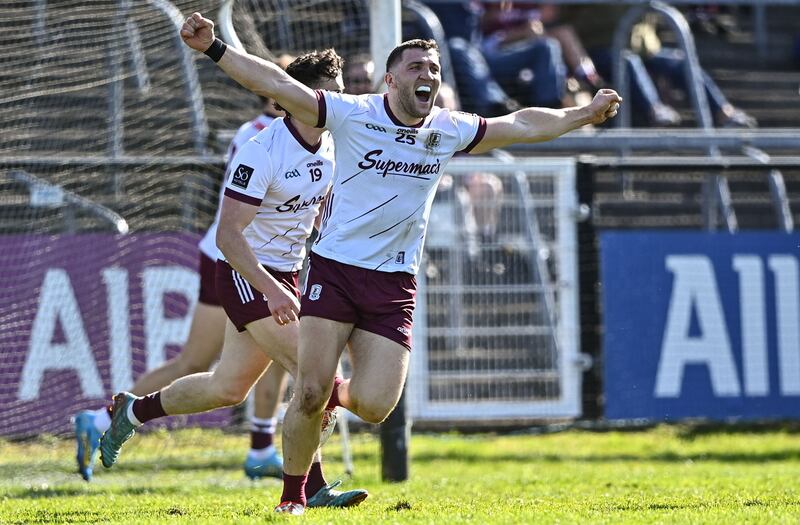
{"x": 154, "y": 465}
{"x": 663, "y": 457}
{"x": 691, "y": 431}
{"x": 72, "y": 491}
{"x": 66, "y": 516}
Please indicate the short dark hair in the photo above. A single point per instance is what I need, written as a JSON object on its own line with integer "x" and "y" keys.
{"x": 416, "y": 43}
{"x": 314, "y": 68}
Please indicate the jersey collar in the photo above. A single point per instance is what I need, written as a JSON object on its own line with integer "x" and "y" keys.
{"x": 396, "y": 120}
{"x": 299, "y": 138}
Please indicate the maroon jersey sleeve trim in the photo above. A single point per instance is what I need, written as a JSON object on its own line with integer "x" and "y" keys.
{"x": 322, "y": 108}
{"x": 478, "y": 135}
{"x": 241, "y": 197}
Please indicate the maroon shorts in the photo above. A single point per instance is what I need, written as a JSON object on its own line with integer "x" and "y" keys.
{"x": 378, "y": 302}
{"x": 208, "y": 288}
{"x": 241, "y": 301}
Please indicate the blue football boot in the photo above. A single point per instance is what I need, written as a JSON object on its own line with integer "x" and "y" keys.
{"x": 268, "y": 467}
{"x": 88, "y": 439}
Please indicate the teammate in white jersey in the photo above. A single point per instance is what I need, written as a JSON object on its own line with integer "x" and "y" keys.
{"x": 278, "y": 182}
{"x": 390, "y": 152}
{"x": 202, "y": 348}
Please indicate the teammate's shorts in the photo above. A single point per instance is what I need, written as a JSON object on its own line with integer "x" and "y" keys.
{"x": 208, "y": 287}
{"x": 374, "y": 301}
{"x": 241, "y": 301}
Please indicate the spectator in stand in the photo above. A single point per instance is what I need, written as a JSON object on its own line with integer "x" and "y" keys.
{"x": 507, "y": 24}
{"x": 650, "y": 61}
{"x": 489, "y": 73}
{"x": 359, "y": 72}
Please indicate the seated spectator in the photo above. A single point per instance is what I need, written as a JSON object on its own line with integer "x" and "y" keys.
{"x": 525, "y": 60}
{"x": 507, "y": 23}
{"x": 650, "y": 61}
{"x": 480, "y": 70}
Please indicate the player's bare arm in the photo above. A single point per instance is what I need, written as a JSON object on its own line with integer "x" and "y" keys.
{"x": 541, "y": 124}
{"x": 234, "y": 217}
{"x": 318, "y": 218}
{"x": 255, "y": 74}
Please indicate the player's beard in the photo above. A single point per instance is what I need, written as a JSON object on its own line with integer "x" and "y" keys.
{"x": 408, "y": 102}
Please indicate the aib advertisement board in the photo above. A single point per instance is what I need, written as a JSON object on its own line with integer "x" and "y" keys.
{"x": 701, "y": 325}
{"x": 82, "y": 316}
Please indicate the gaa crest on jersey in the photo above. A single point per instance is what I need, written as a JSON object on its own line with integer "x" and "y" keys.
{"x": 316, "y": 291}
{"x": 242, "y": 175}
{"x": 433, "y": 141}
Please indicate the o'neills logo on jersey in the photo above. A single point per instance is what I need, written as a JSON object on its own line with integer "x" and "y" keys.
{"x": 386, "y": 167}
{"x": 295, "y": 204}
{"x": 317, "y": 162}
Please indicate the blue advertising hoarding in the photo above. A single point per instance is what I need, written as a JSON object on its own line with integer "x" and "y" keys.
{"x": 701, "y": 325}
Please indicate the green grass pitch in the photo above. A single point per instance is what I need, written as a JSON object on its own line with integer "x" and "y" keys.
{"x": 669, "y": 474}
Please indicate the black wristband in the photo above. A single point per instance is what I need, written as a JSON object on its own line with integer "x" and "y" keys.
{"x": 216, "y": 50}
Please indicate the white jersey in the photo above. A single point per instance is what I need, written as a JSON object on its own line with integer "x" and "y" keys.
{"x": 386, "y": 178}
{"x": 287, "y": 179}
{"x": 248, "y": 130}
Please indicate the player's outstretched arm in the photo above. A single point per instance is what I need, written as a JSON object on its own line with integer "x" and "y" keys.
{"x": 259, "y": 76}
{"x": 541, "y": 124}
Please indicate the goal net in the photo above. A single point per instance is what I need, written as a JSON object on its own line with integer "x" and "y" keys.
{"x": 111, "y": 141}
{"x": 105, "y": 192}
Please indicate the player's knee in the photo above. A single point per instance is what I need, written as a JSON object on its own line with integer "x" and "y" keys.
{"x": 312, "y": 399}
{"x": 192, "y": 367}
{"x": 231, "y": 394}
{"x": 371, "y": 410}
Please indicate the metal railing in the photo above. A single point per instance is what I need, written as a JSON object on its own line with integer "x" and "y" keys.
{"x": 44, "y": 194}
{"x": 539, "y": 252}
{"x": 694, "y": 75}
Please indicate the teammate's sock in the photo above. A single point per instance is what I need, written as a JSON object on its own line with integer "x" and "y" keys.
{"x": 261, "y": 453}
{"x": 294, "y": 488}
{"x": 316, "y": 480}
{"x": 262, "y": 432}
{"x": 148, "y": 407}
{"x": 333, "y": 401}
{"x": 101, "y": 419}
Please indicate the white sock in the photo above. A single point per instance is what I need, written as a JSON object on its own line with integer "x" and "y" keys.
{"x": 101, "y": 420}
{"x": 265, "y": 425}
{"x": 132, "y": 416}
{"x": 261, "y": 453}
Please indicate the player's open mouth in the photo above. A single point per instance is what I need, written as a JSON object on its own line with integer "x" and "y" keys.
{"x": 423, "y": 93}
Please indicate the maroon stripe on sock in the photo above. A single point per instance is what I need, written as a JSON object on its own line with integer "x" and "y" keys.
{"x": 260, "y": 440}
{"x": 148, "y": 407}
{"x": 294, "y": 488}
{"x": 333, "y": 402}
{"x": 316, "y": 480}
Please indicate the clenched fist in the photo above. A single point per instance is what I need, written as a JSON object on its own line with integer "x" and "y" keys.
{"x": 198, "y": 32}
{"x": 604, "y": 106}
